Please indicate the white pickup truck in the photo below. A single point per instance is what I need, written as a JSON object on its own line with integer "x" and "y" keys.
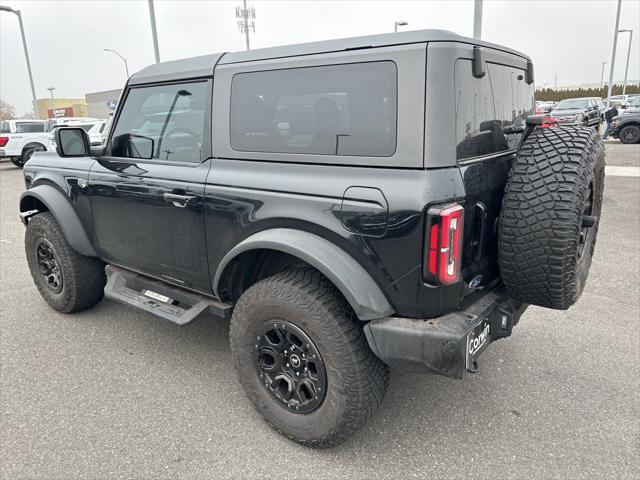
{"x": 19, "y": 139}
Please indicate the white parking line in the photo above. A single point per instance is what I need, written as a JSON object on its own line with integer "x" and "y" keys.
{"x": 614, "y": 171}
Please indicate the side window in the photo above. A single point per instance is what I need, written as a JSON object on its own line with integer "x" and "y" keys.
{"x": 29, "y": 127}
{"x": 347, "y": 109}
{"x": 163, "y": 122}
{"x": 491, "y": 111}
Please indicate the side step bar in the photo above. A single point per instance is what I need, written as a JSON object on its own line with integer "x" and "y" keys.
{"x": 165, "y": 301}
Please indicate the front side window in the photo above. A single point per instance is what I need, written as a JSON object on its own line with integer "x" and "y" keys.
{"x": 163, "y": 122}
{"x": 347, "y": 109}
{"x": 491, "y": 111}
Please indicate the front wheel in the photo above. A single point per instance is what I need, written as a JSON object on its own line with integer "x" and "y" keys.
{"x": 303, "y": 359}
{"x": 66, "y": 280}
{"x": 630, "y": 134}
{"x": 17, "y": 161}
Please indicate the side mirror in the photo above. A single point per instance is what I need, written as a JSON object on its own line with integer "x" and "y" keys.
{"x": 71, "y": 142}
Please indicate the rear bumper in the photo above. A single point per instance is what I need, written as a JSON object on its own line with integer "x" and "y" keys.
{"x": 440, "y": 345}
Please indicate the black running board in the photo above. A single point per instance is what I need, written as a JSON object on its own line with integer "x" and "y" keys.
{"x": 165, "y": 301}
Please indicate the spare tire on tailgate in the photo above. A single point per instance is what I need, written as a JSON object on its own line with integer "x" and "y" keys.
{"x": 550, "y": 214}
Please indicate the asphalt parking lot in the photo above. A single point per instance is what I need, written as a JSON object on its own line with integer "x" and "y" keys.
{"x": 114, "y": 393}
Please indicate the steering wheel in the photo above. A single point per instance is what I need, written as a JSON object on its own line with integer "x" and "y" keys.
{"x": 175, "y": 131}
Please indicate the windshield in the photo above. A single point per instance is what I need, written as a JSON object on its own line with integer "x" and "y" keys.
{"x": 572, "y": 104}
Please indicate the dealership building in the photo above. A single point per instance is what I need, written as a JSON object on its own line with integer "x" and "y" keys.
{"x": 101, "y": 104}
{"x": 94, "y": 105}
{"x": 61, "y": 107}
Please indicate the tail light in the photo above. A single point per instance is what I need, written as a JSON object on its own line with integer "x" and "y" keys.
{"x": 548, "y": 121}
{"x": 444, "y": 244}
{"x": 4, "y": 141}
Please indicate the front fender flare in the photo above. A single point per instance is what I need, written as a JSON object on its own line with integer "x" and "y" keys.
{"x": 65, "y": 215}
{"x": 349, "y": 277}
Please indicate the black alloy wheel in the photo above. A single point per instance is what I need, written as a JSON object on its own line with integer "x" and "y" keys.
{"x": 588, "y": 220}
{"x": 290, "y": 366}
{"x": 50, "y": 270}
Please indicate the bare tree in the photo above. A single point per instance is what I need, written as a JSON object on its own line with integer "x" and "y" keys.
{"x": 7, "y": 111}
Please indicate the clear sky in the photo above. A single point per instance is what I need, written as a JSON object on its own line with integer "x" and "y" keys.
{"x": 66, "y": 38}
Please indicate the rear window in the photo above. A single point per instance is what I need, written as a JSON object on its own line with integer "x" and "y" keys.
{"x": 29, "y": 127}
{"x": 347, "y": 109}
{"x": 491, "y": 111}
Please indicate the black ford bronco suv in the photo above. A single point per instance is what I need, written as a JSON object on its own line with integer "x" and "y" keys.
{"x": 348, "y": 205}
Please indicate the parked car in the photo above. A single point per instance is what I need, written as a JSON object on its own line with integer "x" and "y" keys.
{"x": 544, "y": 107}
{"x": 331, "y": 201}
{"x": 634, "y": 106}
{"x": 87, "y": 126}
{"x": 622, "y": 100}
{"x": 626, "y": 127}
{"x": 96, "y": 132}
{"x": 578, "y": 111}
{"x": 20, "y": 139}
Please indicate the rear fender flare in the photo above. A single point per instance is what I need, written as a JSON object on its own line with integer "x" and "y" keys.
{"x": 348, "y": 276}
{"x": 59, "y": 205}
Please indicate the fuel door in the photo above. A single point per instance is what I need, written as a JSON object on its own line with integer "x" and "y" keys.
{"x": 364, "y": 211}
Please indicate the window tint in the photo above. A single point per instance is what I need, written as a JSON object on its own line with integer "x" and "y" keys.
{"x": 29, "y": 127}
{"x": 164, "y": 122}
{"x": 491, "y": 111}
{"x": 330, "y": 110}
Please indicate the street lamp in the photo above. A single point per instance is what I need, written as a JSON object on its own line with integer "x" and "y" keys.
{"x": 626, "y": 70}
{"x": 53, "y": 103}
{"x": 126, "y": 67}
{"x": 401, "y": 23}
{"x": 602, "y": 75}
{"x": 26, "y": 55}
{"x": 613, "y": 52}
{"x": 154, "y": 32}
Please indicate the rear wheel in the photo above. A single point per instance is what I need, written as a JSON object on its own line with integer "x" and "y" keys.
{"x": 550, "y": 215}
{"x": 67, "y": 281}
{"x": 28, "y": 152}
{"x": 629, "y": 134}
{"x": 303, "y": 360}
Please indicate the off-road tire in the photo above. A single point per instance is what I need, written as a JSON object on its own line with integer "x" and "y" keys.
{"x": 629, "y": 134}
{"x": 557, "y": 175}
{"x": 356, "y": 378}
{"x": 83, "y": 278}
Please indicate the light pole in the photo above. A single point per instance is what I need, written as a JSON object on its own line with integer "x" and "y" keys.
{"x": 613, "y": 53}
{"x": 26, "y": 55}
{"x": 53, "y": 103}
{"x": 477, "y": 19}
{"x": 602, "y": 76}
{"x": 626, "y": 69}
{"x": 126, "y": 67}
{"x": 401, "y": 23}
{"x": 154, "y": 33}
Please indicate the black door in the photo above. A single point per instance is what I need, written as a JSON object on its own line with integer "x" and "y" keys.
{"x": 147, "y": 194}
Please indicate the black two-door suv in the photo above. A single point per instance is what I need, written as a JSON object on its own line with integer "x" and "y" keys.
{"x": 349, "y": 205}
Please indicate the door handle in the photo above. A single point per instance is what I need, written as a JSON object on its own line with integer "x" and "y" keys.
{"x": 179, "y": 201}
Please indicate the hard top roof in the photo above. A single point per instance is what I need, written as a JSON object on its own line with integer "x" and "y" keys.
{"x": 203, "y": 66}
